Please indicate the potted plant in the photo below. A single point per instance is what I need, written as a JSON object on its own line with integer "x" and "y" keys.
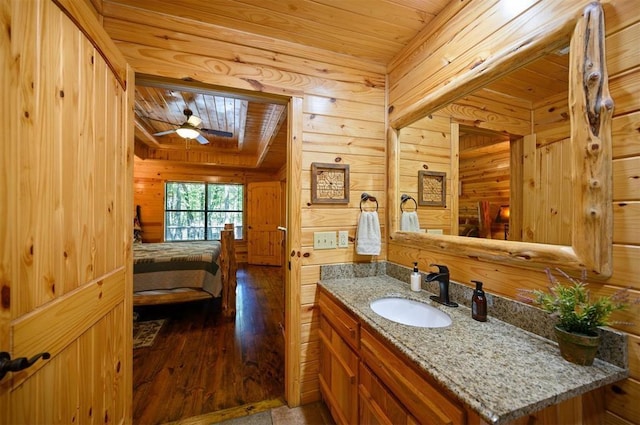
{"x": 578, "y": 315}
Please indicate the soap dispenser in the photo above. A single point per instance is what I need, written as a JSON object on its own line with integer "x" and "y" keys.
{"x": 415, "y": 278}
{"x": 479, "y": 303}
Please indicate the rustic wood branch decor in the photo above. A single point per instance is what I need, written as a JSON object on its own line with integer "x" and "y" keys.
{"x": 591, "y": 172}
{"x": 329, "y": 183}
{"x": 591, "y": 109}
{"x": 432, "y": 188}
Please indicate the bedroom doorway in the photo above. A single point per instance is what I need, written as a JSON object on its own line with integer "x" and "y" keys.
{"x": 276, "y": 280}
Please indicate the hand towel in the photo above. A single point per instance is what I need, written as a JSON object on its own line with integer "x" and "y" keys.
{"x": 368, "y": 240}
{"x": 409, "y": 221}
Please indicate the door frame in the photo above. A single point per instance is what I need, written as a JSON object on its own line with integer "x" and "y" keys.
{"x": 292, "y": 262}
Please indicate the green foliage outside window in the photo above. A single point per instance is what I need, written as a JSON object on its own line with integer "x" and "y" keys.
{"x": 199, "y": 211}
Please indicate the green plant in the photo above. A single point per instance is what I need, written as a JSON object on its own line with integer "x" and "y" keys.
{"x": 573, "y": 306}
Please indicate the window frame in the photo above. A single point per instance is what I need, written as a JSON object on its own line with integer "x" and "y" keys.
{"x": 205, "y": 211}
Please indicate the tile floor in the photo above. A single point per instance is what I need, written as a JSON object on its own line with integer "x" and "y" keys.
{"x": 310, "y": 414}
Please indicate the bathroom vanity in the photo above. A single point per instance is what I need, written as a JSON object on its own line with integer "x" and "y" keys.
{"x": 373, "y": 370}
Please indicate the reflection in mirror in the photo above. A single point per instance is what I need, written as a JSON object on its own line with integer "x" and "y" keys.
{"x": 577, "y": 161}
{"x": 409, "y": 220}
{"x": 512, "y": 139}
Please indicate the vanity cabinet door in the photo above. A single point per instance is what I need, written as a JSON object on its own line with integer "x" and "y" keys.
{"x": 338, "y": 364}
{"x": 377, "y": 405}
{"x": 422, "y": 398}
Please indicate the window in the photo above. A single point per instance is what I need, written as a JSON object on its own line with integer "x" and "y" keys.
{"x": 199, "y": 211}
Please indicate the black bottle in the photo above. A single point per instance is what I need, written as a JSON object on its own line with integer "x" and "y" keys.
{"x": 479, "y": 303}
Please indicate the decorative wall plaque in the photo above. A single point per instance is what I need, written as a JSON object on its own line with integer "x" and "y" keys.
{"x": 432, "y": 188}
{"x": 329, "y": 183}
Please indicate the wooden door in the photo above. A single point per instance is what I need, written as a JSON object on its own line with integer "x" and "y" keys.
{"x": 546, "y": 206}
{"x": 264, "y": 240}
{"x": 65, "y": 216}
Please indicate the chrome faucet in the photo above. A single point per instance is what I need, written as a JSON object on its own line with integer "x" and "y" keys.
{"x": 442, "y": 276}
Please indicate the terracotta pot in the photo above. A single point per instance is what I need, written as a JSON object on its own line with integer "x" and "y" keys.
{"x": 577, "y": 348}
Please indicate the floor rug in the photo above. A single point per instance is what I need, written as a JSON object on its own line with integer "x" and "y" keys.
{"x": 144, "y": 333}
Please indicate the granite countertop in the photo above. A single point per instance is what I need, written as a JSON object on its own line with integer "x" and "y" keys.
{"x": 498, "y": 370}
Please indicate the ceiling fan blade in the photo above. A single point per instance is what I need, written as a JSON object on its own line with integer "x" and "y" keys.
{"x": 202, "y": 140}
{"x": 194, "y": 121}
{"x": 217, "y": 132}
{"x": 162, "y": 133}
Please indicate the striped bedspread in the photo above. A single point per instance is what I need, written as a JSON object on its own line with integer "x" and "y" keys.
{"x": 172, "y": 265}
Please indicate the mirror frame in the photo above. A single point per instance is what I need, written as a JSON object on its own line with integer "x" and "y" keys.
{"x": 591, "y": 109}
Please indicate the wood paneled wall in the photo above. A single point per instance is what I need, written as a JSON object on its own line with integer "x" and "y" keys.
{"x": 426, "y": 146}
{"x": 344, "y": 108}
{"x": 342, "y": 121}
{"x": 484, "y": 176}
{"x": 150, "y": 176}
{"x": 450, "y": 52}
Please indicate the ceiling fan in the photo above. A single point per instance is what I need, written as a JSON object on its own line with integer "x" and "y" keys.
{"x": 190, "y": 129}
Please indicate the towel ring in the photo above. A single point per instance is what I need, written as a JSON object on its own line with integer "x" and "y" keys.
{"x": 366, "y": 197}
{"x": 404, "y": 198}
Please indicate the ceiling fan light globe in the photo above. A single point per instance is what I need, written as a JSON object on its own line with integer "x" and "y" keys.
{"x": 187, "y": 132}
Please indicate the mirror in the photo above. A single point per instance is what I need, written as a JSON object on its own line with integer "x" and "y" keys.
{"x": 514, "y": 130}
{"x": 569, "y": 225}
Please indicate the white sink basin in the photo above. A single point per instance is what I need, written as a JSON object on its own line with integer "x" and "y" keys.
{"x": 409, "y": 312}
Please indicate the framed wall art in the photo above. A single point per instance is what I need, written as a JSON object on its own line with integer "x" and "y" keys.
{"x": 329, "y": 183}
{"x": 432, "y": 188}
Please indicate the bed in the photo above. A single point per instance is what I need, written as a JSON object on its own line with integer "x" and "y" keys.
{"x": 173, "y": 272}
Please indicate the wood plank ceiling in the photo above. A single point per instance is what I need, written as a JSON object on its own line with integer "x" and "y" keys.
{"x": 372, "y": 31}
{"x": 253, "y": 126}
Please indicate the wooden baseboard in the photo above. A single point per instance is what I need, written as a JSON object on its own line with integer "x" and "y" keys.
{"x": 234, "y": 412}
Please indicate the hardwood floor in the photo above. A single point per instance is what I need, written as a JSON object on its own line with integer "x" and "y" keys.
{"x": 202, "y": 362}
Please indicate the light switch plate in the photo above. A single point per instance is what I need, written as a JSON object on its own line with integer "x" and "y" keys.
{"x": 343, "y": 239}
{"x": 324, "y": 240}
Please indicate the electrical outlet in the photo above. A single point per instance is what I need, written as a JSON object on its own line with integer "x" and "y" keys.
{"x": 343, "y": 239}
{"x": 324, "y": 240}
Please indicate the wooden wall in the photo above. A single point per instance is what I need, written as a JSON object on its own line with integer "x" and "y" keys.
{"x": 150, "y": 176}
{"x": 342, "y": 121}
{"x": 459, "y": 45}
{"x": 484, "y": 172}
{"x": 344, "y": 116}
{"x": 426, "y": 146}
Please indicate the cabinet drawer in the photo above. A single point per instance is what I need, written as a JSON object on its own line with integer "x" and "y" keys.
{"x": 422, "y": 398}
{"x": 342, "y": 321}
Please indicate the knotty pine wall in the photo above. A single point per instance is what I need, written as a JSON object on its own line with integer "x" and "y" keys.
{"x": 343, "y": 121}
{"x": 459, "y": 45}
{"x": 426, "y": 146}
{"x": 484, "y": 171}
{"x": 150, "y": 176}
{"x": 347, "y": 97}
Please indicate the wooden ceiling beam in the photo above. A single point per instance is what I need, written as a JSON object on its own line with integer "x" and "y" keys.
{"x": 146, "y": 137}
{"x": 240, "y": 122}
{"x": 270, "y": 131}
{"x": 208, "y": 89}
